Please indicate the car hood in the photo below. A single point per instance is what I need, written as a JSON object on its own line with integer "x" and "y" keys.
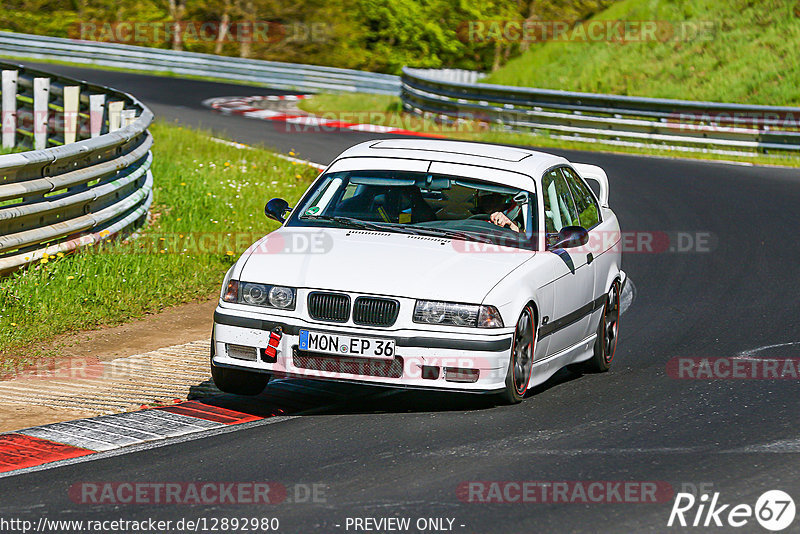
{"x": 379, "y": 263}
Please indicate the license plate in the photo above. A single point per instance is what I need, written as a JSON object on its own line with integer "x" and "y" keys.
{"x": 363, "y": 347}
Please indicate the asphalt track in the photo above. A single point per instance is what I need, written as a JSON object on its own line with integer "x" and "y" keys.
{"x": 405, "y": 454}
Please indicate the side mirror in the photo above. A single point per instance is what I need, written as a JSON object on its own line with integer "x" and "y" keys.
{"x": 276, "y": 209}
{"x": 570, "y": 237}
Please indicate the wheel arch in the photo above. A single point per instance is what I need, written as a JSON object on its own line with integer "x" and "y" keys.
{"x": 614, "y": 275}
{"x": 536, "y": 315}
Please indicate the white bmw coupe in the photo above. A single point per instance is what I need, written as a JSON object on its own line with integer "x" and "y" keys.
{"x": 428, "y": 264}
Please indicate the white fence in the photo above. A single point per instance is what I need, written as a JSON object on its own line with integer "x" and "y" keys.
{"x": 88, "y": 175}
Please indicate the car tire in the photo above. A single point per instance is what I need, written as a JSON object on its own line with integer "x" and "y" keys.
{"x": 520, "y": 367}
{"x": 605, "y": 346}
{"x": 236, "y": 381}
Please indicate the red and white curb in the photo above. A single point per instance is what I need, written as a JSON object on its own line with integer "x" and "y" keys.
{"x": 59, "y": 443}
{"x": 282, "y": 108}
{"x": 270, "y": 106}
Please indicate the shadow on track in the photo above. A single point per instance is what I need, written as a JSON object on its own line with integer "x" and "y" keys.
{"x": 318, "y": 397}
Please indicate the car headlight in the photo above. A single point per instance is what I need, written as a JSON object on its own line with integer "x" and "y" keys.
{"x": 260, "y": 295}
{"x": 453, "y": 314}
{"x": 281, "y": 297}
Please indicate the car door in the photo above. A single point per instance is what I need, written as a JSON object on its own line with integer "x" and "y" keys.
{"x": 574, "y": 272}
{"x": 603, "y": 234}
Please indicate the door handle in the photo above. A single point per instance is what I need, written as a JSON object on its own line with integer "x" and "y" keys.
{"x": 589, "y": 258}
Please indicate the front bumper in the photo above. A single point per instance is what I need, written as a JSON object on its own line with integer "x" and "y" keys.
{"x": 472, "y": 362}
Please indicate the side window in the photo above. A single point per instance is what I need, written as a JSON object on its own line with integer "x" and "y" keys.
{"x": 588, "y": 210}
{"x": 559, "y": 208}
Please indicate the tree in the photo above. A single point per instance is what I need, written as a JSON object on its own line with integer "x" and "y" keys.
{"x": 177, "y": 8}
{"x": 378, "y": 35}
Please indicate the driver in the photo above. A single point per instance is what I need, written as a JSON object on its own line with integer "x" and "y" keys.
{"x": 500, "y": 219}
{"x": 494, "y": 204}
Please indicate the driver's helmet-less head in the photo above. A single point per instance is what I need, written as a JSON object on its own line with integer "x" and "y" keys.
{"x": 490, "y": 202}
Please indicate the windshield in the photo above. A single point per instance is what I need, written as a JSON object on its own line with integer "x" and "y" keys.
{"x": 420, "y": 203}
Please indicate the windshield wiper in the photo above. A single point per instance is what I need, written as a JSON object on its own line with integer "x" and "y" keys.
{"x": 399, "y": 228}
{"x": 434, "y": 232}
{"x": 450, "y": 234}
{"x": 365, "y": 225}
{"x": 348, "y": 222}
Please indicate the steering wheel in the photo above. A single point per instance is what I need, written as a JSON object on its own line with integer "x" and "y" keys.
{"x": 481, "y": 216}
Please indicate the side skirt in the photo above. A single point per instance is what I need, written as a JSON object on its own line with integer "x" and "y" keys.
{"x": 546, "y": 367}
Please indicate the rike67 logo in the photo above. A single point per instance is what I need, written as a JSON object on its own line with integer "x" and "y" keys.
{"x": 774, "y": 510}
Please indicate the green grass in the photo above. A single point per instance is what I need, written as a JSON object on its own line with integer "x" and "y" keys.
{"x": 751, "y": 56}
{"x": 14, "y": 150}
{"x": 382, "y": 109}
{"x": 351, "y": 103}
{"x": 208, "y": 198}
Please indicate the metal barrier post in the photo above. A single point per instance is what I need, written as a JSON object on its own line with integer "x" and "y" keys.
{"x": 96, "y": 111}
{"x": 41, "y": 112}
{"x": 127, "y": 117}
{"x": 71, "y": 102}
{"x": 115, "y": 115}
{"x": 9, "y": 110}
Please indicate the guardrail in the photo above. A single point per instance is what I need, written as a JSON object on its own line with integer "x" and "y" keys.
{"x": 621, "y": 120}
{"x": 306, "y": 78}
{"x": 451, "y": 75}
{"x": 88, "y": 176}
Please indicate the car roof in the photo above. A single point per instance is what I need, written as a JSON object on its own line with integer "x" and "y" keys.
{"x": 521, "y": 160}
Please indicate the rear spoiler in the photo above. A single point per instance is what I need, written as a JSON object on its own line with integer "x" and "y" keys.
{"x": 593, "y": 172}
